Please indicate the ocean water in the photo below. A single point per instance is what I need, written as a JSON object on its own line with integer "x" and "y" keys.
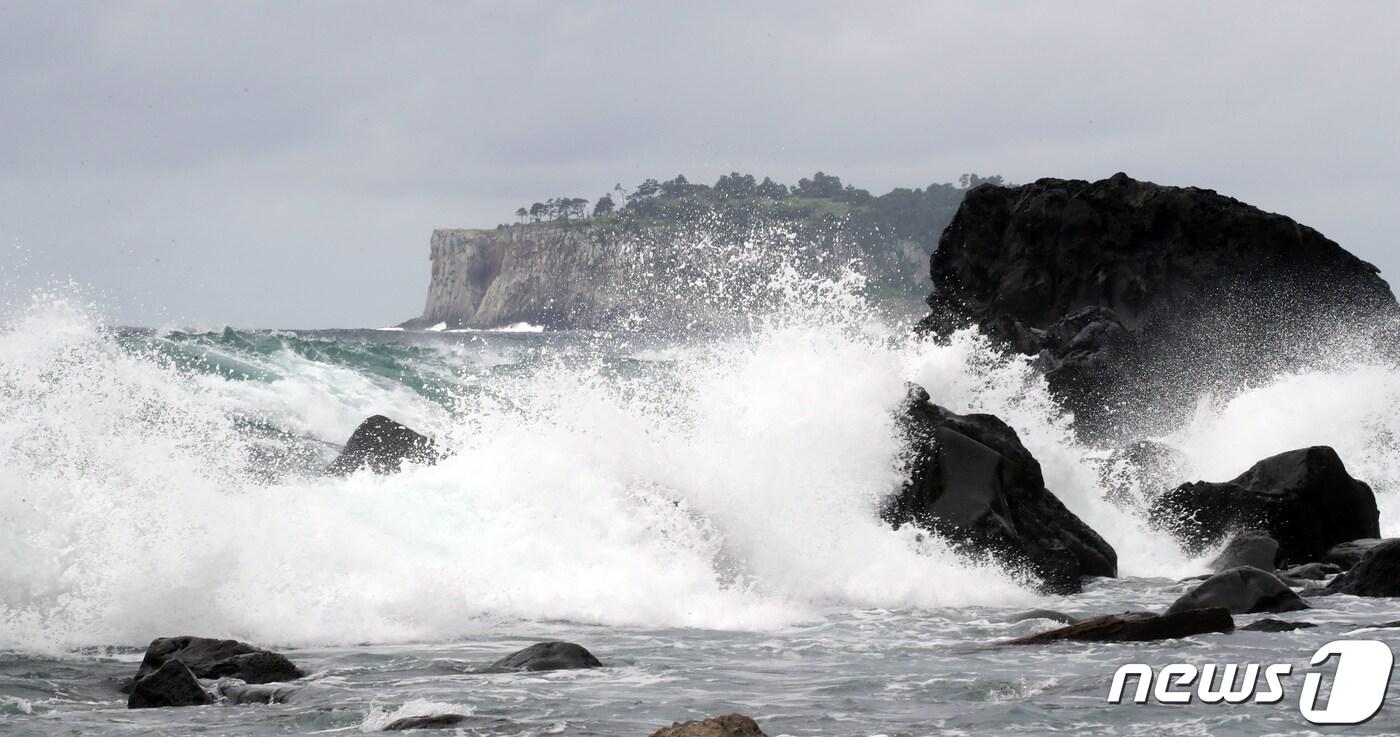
{"x": 697, "y": 508}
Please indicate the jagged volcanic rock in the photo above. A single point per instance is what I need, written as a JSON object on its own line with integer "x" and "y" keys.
{"x": 1131, "y": 292}
{"x": 973, "y": 482}
{"x": 1304, "y": 499}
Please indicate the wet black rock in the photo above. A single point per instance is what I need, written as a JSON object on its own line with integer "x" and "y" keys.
{"x": 548, "y": 656}
{"x": 383, "y": 446}
{"x": 1376, "y": 574}
{"x": 428, "y": 721}
{"x": 971, "y": 481}
{"x": 1131, "y": 293}
{"x": 210, "y": 658}
{"x": 1248, "y": 548}
{"x": 729, "y": 725}
{"x": 1347, "y": 554}
{"x": 172, "y": 684}
{"x": 236, "y": 692}
{"x": 1275, "y": 625}
{"x": 1311, "y": 571}
{"x": 1137, "y": 627}
{"x": 1304, "y": 499}
{"x": 1242, "y": 590}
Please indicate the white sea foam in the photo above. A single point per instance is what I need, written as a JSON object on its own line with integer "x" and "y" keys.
{"x": 732, "y": 485}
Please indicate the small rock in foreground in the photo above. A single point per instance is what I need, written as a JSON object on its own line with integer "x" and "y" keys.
{"x": 729, "y": 725}
{"x": 548, "y": 656}
{"x": 210, "y": 658}
{"x": 1137, "y": 627}
{"x": 170, "y": 685}
{"x": 1242, "y": 590}
{"x": 1275, "y": 625}
{"x": 428, "y": 721}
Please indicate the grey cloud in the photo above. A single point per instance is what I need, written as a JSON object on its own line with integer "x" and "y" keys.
{"x": 282, "y": 165}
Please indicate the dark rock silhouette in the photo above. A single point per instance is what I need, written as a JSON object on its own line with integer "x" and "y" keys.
{"x": 971, "y": 481}
{"x": 1242, "y": 590}
{"x": 1304, "y": 499}
{"x": 210, "y": 658}
{"x": 1137, "y": 627}
{"x": 429, "y": 721}
{"x": 1348, "y": 554}
{"x": 1248, "y": 548}
{"x": 1376, "y": 574}
{"x": 1311, "y": 571}
{"x": 548, "y": 656}
{"x": 1132, "y": 293}
{"x": 729, "y": 725}
{"x": 172, "y": 684}
{"x": 383, "y": 446}
{"x": 1275, "y": 625}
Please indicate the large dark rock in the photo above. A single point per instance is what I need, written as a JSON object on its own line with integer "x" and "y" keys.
{"x": 1242, "y": 590}
{"x": 1304, "y": 499}
{"x": 1137, "y": 627}
{"x": 172, "y": 684}
{"x": 548, "y": 656}
{"x": 972, "y": 482}
{"x": 1248, "y": 548}
{"x": 1376, "y": 574}
{"x": 729, "y": 725}
{"x": 383, "y": 446}
{"x": 210, "y": 658}
{"x": 1131, "y": 292}
{"x": 1348, "y": 554}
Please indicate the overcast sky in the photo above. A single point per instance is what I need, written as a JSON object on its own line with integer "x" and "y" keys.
{"x": 282, "y": 165}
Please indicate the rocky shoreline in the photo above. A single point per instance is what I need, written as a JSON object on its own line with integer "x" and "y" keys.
{"x": 1106, "y": 284}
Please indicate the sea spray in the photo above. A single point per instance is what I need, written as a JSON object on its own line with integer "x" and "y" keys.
{"x": 163, "y": 481}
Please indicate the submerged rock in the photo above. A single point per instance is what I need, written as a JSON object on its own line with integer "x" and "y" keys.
{"x": 1049, "y": 614}
{"x": 1242, "y": 590}
{"x": 548, "y": 656}
{"x": 1376, "y": 574}
{"x": 1347, "y": 554}
{"x": 729, "y": 725}
{"x": 427, "y": 721}
{"x": 383, "y": 446}
{"x": 971, "y": 481}
{"x": 172, "y": 684}
{"x": 236, "y": 692}
{"x": 1311, "y": 571}
{"x": 1304, "y": 499}
{"x": 1137, "y": 627}
{"x": 210, "y": 658}
{"x": 1249, "y": 548}
{"x": 1276, "y": 625}
{"x": 1135, "y": 297}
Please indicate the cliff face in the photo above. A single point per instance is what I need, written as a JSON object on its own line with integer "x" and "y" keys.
{"x": 660, "y": 275}
{"x": 541, "y": 274}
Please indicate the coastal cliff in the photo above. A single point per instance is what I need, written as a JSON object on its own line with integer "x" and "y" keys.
{"x": 682, "y": 255}
{"x": 543, "y": 274}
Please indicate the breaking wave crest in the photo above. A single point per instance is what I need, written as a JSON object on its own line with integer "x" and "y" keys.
{"x": 166, "y": 482}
